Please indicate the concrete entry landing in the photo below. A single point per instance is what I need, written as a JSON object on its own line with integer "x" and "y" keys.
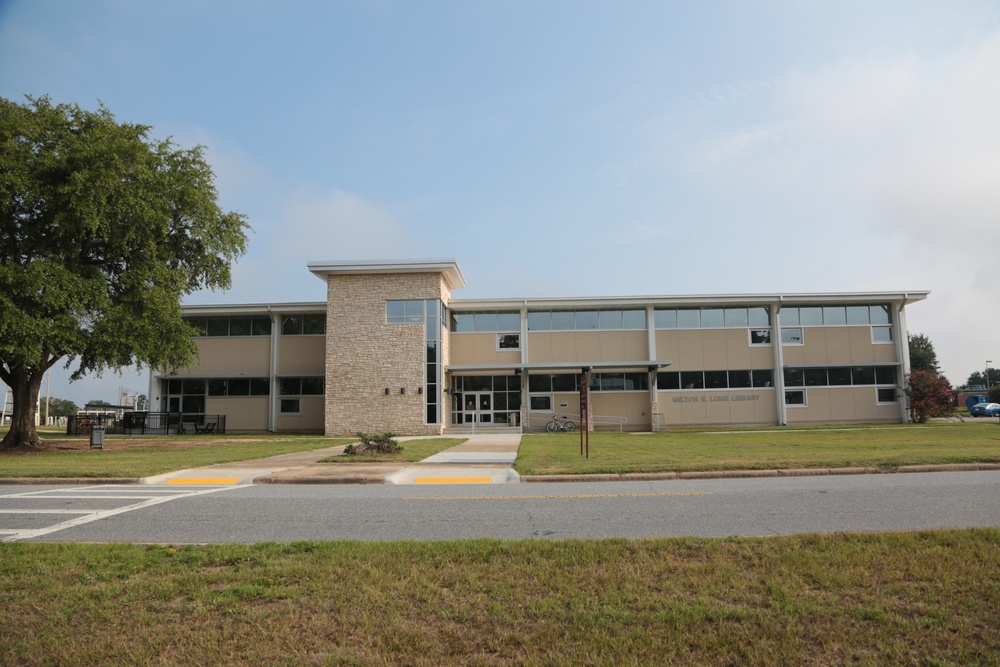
{"x": 482, "y": 459}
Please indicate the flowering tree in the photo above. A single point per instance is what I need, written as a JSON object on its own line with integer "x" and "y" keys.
{"x": 927, "y": 395}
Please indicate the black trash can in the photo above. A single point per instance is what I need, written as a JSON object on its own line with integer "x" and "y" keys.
{"x": 97, "y": 437}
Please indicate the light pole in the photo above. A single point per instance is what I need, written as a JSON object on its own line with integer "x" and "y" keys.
{"x": 988, "y": 362}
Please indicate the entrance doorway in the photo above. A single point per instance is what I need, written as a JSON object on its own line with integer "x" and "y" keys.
{"x": 477, "y": 408}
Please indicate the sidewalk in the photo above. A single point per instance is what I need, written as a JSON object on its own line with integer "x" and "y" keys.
{"x": 482, "y": 459}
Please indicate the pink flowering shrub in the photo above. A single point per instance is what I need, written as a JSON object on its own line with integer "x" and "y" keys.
{"x": 927, "y": 396}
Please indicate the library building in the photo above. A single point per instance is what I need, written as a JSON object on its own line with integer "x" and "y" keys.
{"x": 391, "y": 350}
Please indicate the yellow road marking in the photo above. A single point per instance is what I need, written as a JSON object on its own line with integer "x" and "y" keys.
{"x": 452, "y": 480}
{"x": 579, "y": 495}
{"x": 205, "y": 480}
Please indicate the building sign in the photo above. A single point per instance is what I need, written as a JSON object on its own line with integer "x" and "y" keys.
{"x": 717, "y": 398}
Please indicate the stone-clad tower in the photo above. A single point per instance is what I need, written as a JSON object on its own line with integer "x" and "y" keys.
{"x": 386, "y": 344}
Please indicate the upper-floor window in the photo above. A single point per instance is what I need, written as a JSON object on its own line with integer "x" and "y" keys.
{"x": 303, "y": 325}
{"x": 806, "y": 316}
{"x": 583, "y": 320}
{"x": 488, "y": 321}
{"x": 409, "y": 311}
{"x": 235, "y": 325}
{"x": 712, "y": 317}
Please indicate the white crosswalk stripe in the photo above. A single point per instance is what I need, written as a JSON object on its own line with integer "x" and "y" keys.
{"x": 146, "y": 495}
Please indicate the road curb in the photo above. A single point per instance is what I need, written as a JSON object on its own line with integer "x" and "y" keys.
{"x": 69, "y": 480}
{"x": 535, "y": 479}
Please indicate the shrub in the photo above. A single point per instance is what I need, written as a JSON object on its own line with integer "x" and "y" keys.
{"x": 381, "y": 443}
{"x": 927, "y": 396}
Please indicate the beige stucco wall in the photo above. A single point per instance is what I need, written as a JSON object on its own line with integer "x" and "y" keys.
{"x": 243, "y": 413}
{"x": 838, "y": 345}
{"x": 712, "y": 350}
{"x": 708, "y": 408}
{"x": 479, "y": 348}
{"x": 232, "y": 357}
{"x": 844, "y": 405}
{"x": 364, "y": 354}
{"x": 301, "y": 355}
{"x": 572, "y": 346}
{"x": 310, "y": 417}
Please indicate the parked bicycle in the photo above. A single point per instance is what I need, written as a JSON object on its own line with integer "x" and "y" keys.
{"x": 560, "y": 425}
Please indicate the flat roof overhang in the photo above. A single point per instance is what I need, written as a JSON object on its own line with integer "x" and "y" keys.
{"x": 255, "y": 308}
{"x": 559, "y": 366}
{"x": 447, "y": 267}
{"x": 688, "y": 301}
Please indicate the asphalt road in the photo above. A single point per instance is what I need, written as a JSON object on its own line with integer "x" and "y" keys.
{"x": 248, "y": 513}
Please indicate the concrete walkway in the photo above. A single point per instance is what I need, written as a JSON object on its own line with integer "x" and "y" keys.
{"x": 482, "y": 459}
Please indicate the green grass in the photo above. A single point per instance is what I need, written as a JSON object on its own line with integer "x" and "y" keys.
{"x": 413, "y": 450}
{"x": 142, "y": 458}
{"x": 914, "y": 598}
{"x": 761, "y": 449}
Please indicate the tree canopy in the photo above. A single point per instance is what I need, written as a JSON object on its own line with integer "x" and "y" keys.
{"x": 978, "y": 379}
{"x": 103, "y": 230}
{"x": 922, "y": 355}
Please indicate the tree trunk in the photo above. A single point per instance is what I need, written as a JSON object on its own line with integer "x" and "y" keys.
{"x": 25, "y": 385}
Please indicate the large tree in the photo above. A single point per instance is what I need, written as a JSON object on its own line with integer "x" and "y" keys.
{"x": 103, "y": 230}
{"x": 922, "y": 355}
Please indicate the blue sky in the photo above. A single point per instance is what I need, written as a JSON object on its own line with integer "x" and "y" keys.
{"x": 569, "y": 148}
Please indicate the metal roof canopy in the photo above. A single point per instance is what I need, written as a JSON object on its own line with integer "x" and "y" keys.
{"x": 447, "y": 267}
{"x": 560, "y": 366}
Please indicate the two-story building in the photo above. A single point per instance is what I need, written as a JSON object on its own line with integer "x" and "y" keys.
{"x": 391, "y": 350}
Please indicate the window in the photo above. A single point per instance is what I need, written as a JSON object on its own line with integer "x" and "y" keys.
{"x": 881, "y": 334}
{"x": 760, "y": 336}
{"x": 834, "y": 315}
{"x": 239, "y": 326}
{"x": 485, "y": 321}
{"x": 763, "y": 378}
{"x": 410, "y": 311}
{"x": 712, "y": 317}
{"x": 619, "y": 382}
{"x": 303, "y": 325}
{"x": 735, "y": 379}
{"x": 795, "y": 397}
{"x": 756, "y": 317}
{"x": 218, "y": 326}
{"x": 863, "y": 375}
{"x": 853, "y": 315}
{"x": 716, "y": 380}
{"x": 887, "y": 395}
{"x": 739, "y": 379}
{"x": 585, "y": 320}
{"x": 840, "y": 376}
{"x": 308, "y": 386}
{"x": 885, "y": 375}
{"x": 737, "y": 317}
{"x": 791, "y": 336}
{"x": 540, "y": 403}
{"x": 508, "y": 342}
{"x": 816, "y": 377}
{"x": 289, "y": 406}
{"x": 667, "y": 381}
{"x": 692, "y": 380}
{"x": 688, "y": 318}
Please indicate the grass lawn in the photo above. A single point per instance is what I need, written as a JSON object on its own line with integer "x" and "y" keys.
{"x": 913, "y": 598}
{"x": 413, "y": 450}
{"x": 883, "y": 447}
{"x": 142, "y": 457}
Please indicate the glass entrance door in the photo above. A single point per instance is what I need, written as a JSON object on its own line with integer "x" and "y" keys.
{"x": 478, "y": 408}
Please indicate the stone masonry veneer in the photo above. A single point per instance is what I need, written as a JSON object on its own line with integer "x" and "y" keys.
{"x": 365, "y": 355}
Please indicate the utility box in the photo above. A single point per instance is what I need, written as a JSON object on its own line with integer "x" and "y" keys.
{"x": 97, "y": 437}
